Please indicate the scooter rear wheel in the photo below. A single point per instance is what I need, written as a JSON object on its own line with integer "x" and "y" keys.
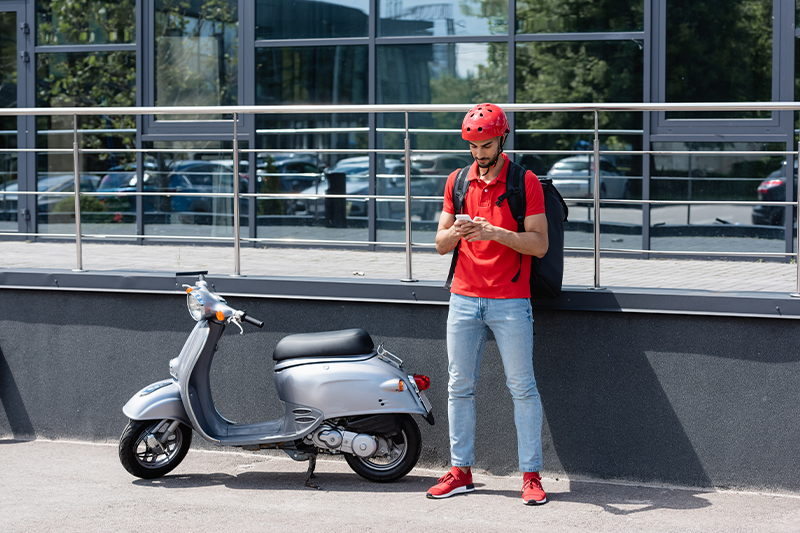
{"x": 402, "y": 456}
{"x": 142, "y": 457}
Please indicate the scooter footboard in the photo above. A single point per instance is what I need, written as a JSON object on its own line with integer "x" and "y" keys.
{"x": 156, "y": 402}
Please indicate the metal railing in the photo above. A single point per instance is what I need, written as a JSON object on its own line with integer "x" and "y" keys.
{"x": 405, "y": 110}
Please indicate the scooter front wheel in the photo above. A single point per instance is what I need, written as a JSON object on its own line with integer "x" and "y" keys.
{"x": 147, "y": 452}
{"x": 395, "y": 462}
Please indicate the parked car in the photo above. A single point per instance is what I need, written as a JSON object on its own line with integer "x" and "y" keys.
{"x": 122, "y": 179}
{"x": 440, "y": 164}
{"x": 390, "y": 182}
{"x": 773, "y": 189}
{"x": 198, "y": 176}
{"x": 574, "y": 178}
{"x": 292, "y": 174}
{"x": 8, "y": 200}
{"x": 61, "y": 183}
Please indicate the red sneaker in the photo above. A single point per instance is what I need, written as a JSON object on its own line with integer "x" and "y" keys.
{"x": 532, "y": 491}
{"x": 453, "y": 482}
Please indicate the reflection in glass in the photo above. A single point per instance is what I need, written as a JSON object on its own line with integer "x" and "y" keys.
{"x": 443, "y": 73}
{"x": 719, "y": 55}
{"x": 190, "y": 183}
{"x": 60, "y": 22}
{"x": 82, "y": 80}
{"x": 298, "y": 179}
{"x": 575, "y": 72}
{"x": 718, "y": 177}
{"x": 421, "y": 18}
{"x": 574, "y": 16}
{"x": 197, "y": 54}
{"x": 304, "y": 19}
{"x": 8, "y": 125}
{"x": 312, "y": 75}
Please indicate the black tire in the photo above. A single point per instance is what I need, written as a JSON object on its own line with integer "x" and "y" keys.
{"x": 406, "y": 446}
{"x": 145, "y": 462}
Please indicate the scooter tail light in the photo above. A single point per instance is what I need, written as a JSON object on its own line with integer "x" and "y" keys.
{"x": 423, "y": 382}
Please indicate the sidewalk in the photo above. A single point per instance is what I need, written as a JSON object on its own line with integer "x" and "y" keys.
{"x": 746, "y": 275}
{"x": 81, "y": 487}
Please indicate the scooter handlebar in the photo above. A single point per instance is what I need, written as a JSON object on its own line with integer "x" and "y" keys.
{"x": 251, "y": 320}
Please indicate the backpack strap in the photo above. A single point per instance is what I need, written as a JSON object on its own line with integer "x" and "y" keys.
{"x": 460, "y": 187}
{"x": 517, "y": 202}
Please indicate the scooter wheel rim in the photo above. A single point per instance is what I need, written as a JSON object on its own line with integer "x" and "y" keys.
{"x": 151, "y": 458}
{"x": 401, "y": 447}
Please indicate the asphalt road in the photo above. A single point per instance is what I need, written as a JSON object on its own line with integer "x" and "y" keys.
{"x": 81, "y": 487}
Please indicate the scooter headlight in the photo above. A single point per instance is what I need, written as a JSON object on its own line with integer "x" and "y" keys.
{"x": 195, "y": 305}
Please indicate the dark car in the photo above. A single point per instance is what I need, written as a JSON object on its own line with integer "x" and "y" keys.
{"x": 773, "y": 189}
{"x": 203, "y": 177}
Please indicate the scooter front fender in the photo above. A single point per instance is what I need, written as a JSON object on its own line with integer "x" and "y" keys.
{"x": 156, "y": 402}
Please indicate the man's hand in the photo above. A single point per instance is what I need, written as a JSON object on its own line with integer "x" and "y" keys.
{"x": 478, "y": 229}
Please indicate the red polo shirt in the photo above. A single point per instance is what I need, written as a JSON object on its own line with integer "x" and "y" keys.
{"x": 485, "y": 268}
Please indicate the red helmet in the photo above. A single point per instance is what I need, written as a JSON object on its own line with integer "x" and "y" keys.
{"x": 484, "y": 121}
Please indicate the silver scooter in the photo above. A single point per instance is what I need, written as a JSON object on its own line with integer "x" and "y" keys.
{"x": 340, "y": 395}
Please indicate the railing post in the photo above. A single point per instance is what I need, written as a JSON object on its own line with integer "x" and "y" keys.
{"x": 796, "y": 293}
{"x": 237, "y": 270}
{"x": 596, "y": 201}
{"x": 76, "y": 160}
{"x": 408, "y": 277}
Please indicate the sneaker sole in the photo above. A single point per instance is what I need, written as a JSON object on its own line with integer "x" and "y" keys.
{"x": 459, "y": 490}
{"x": 534, "y": 502}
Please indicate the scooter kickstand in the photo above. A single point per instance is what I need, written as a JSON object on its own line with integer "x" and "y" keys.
{"x": 312, "y": 464}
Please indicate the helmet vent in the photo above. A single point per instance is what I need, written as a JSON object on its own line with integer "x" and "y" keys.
{"x": 480, "y": 130}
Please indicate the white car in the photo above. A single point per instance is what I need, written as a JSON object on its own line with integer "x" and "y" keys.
{"x": 574, "y": 178}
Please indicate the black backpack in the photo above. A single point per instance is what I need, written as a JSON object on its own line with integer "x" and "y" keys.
{"x": 547, "y": 272}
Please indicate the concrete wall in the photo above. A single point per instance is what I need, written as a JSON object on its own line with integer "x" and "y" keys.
{"x": 690, "y": 400}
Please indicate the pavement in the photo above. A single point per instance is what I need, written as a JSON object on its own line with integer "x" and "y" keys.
{"x": 687, "y": 274}
{"x": 69, "y": 486}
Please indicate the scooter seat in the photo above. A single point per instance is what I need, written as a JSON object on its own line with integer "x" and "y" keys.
{"x": 324, "y": 344}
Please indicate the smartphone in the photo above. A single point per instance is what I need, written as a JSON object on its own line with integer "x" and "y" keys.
{"x": 465, "y": 218}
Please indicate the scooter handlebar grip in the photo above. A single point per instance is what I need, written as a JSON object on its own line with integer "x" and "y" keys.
{"x": 254, "y": 321}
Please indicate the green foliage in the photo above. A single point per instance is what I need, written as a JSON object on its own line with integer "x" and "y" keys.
{"x": 89, "y": 204}
{"x": 197, "y": 52}
{"x": 721, "y": 55}
{"x": 86, "y": 21}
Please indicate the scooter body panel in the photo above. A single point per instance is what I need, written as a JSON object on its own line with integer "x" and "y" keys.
{"x": 348, "y": 388}
{"x": 161, "y": 400}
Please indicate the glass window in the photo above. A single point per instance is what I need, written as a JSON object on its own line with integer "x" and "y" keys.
{"x": 60, "y": 22}
{"x": 441, "y": 73}
{"x": 591, "y": 71}
{"x": 304, "y": 19}
{"x": 719, "y": 55}
{"x": 288, "y": 166}
{"x": 196, "y": 54}
{"x": 312, "y": 75}
{"x": 426, "y": 19}
{"x": 82, "y": 80}
{"x": 190, "y": 183}
{"x": 562, "y": 16}
{"x": 718, "y": 177}
{"x": 8, "y": 125}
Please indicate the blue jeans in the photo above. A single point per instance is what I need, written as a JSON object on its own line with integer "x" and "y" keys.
{"x": 511, "y": 321}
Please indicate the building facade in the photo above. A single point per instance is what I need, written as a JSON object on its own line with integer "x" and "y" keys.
{"x": 163, "y": 176}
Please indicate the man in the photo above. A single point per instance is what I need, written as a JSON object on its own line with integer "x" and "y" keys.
{"x": 491, "y": 291}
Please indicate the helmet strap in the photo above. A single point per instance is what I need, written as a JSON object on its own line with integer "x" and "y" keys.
{"x": 494, "y": 161}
